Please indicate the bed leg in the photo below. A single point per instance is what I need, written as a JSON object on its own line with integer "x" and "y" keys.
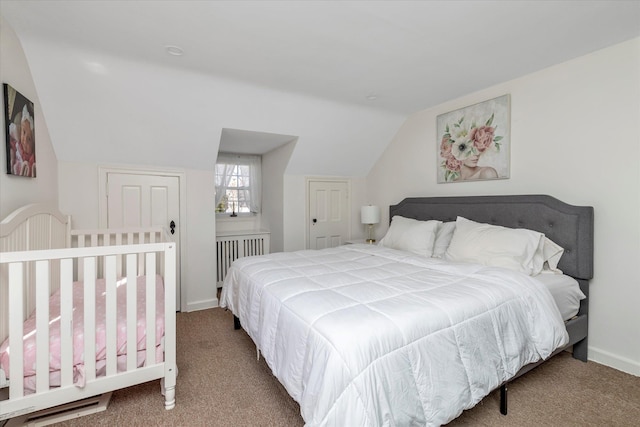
{"x": 503, "y": 399}
{"x": 236, "y": 322}
{"x": 580, "y": 350}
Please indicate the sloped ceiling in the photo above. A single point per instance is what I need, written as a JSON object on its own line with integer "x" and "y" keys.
{"x": 341, "y": 76}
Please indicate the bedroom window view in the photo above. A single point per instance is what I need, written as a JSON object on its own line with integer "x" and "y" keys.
{"x": 238, "y": 184}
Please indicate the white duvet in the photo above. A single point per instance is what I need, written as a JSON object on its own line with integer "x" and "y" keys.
{"x": 362, "y": 335}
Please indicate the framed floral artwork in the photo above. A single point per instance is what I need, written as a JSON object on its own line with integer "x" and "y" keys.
{"x": 474, "y": 143}
{"x": 20, "y": 133}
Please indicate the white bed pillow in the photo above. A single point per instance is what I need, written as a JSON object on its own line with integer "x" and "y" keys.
{"x": 443, "y": 238}
{"x": 494, "y": 245}
{"x": 548, "y": 256}
{"x": 411, "y": 235}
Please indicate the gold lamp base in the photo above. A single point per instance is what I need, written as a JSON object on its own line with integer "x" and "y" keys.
{"x": 370, "y": 240}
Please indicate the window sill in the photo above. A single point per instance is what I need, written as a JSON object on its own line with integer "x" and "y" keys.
{"x": 225, "y": 217}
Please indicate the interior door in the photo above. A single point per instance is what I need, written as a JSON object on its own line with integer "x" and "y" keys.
{"x": 329, "y": 219}
{"x": 140, "y": 200}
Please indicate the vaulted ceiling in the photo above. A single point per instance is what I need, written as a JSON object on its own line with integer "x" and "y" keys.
{"x": 408, "y": 55}
{"x": 394, "y": 57}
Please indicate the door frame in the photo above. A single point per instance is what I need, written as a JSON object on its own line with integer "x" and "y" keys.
{"x": 104, "y": 170}
{"x": 307, "y": 214}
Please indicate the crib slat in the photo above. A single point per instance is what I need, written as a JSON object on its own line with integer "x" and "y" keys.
{"x": 151, "y": 310}
{"x": 141, "y": 237}
{"x": 119, "y": 243}
{"x": 89, "y": 317}
{"x": 132, "y": 311}
{"x": 111, "y": 321}
{"x": 66, "y": 322}
{"x": 81, "y": 244}
{"x": 16, "y": 317}
{"x": 42, "y": 325}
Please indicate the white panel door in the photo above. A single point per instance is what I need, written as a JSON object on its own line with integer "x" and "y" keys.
{"x": 145, "y": 201}
{"x": 328, "y": 222}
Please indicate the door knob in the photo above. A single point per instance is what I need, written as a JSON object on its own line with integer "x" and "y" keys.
{"x": 314, "y": 220}
{"x": 172, "y": 226}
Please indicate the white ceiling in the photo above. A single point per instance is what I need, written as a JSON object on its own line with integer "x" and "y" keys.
{"x": 407, "y": 55}
{"x": 250, "y": 142}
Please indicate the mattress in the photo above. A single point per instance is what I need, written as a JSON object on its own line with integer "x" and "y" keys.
{"x": 565, "y": 291}
{"x": 367, "y": 335}
{"x": 29, "y": 330}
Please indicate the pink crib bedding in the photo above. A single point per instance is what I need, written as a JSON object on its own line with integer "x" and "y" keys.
{"x": 78, "y": 332}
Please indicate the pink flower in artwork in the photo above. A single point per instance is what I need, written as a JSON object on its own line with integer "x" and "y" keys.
{"x": 445, "y": 147}
{"x": 482, "y": 137}
{"x": 453, "y": 164}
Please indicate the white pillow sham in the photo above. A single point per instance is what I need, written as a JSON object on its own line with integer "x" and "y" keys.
{"x": 497, "y": 246}
{"x": 411, "y": 235}
{"x": 549, "y": 253}
{"x": 443, "y": 238}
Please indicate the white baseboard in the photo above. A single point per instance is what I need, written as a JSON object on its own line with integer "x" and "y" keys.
{"x": 202, "y": 305}
{"x": 614, "y": 361}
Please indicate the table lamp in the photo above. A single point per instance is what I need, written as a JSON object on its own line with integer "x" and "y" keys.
{"x": 370, "y": 215}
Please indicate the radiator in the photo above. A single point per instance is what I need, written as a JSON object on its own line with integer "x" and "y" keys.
{"x": 231, "y": 246}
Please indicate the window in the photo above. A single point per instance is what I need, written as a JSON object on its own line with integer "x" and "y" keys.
{"x": 238, "y": 183}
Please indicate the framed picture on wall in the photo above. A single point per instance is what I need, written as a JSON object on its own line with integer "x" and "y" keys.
{"x": 20, "y": 133}
{"x": 474, "y": 142}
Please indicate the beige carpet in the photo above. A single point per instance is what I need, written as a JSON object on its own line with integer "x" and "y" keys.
{"x": 220, "y": 383}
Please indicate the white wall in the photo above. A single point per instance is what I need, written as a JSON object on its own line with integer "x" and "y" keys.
{"x": 575, "y": 135}
{"x": 17, "y": 191}
{"x": 274, "y": 163}
{"x": 200, "y": 265}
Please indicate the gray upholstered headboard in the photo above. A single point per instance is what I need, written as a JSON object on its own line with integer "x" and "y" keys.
{"x": 569, "y": 226}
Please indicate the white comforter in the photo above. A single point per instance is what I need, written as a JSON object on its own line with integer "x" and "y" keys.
{"x": 362, "y": 335}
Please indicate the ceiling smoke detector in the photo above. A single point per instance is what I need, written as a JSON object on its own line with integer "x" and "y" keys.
{"x": 174, "y": 50}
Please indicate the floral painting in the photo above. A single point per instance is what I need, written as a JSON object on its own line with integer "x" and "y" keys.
{"x": 473, "y": 142}
{"x": 20, "y": 133}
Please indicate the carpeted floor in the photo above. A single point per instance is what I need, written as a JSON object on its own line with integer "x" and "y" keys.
{"x": 220, "y": 383}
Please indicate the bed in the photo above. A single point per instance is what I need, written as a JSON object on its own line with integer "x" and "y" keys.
{"x": 69, "y": 293}
{"x": 374, "y": 335}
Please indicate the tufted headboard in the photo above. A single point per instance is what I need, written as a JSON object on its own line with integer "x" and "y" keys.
{"x": 569, "y": 226}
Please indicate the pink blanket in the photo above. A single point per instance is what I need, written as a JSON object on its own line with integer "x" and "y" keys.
{"x": 78, "y": 332}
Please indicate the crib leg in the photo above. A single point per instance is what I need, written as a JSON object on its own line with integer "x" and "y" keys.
{"x": 236, "y": 322}
{"x": 169, "y": 394}
{"x": 170, "y": 398}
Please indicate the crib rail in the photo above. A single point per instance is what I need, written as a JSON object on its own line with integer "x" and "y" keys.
{"x": 117, "y": 237}
{"x": 88, "y": 263}
{"x": 76, "y": 239}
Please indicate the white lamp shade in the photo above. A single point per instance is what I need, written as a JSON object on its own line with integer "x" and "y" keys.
{"x": 370, "y": 215}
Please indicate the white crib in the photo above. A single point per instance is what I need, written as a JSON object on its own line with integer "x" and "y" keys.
{"x": 40, "y": 255}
